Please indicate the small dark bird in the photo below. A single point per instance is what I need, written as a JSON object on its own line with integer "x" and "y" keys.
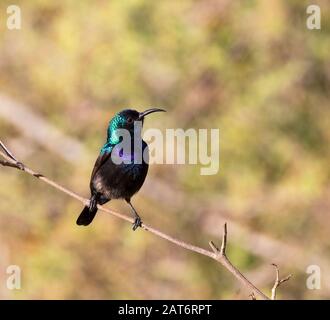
{"x": 113, "y": 179}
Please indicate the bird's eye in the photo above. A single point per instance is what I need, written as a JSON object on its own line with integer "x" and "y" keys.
{"x": 130, "y": 120}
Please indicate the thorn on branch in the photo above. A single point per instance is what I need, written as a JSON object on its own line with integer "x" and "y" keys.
{"x": 278, "y": 281}
{"x": 38, "y": 175}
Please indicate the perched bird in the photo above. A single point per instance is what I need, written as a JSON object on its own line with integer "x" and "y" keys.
{"x": 113, "y": 179}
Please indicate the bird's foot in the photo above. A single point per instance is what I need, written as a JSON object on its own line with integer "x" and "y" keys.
{"x": 137, "y": 223}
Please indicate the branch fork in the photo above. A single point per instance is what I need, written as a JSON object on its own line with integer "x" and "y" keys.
{"x": 220, "y": 253}
{"x": 278, "y": 281}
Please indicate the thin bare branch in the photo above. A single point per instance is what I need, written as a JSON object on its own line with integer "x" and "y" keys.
{"x": 6, "y": 150}
{"x": 224, "y": 240}
{"x": 217, "y": 254}
{"x": 278, "y": 281}
{"x": 8, "y": 164}
{"x": 34, "y": 127}
{"x": 223, "y": 259}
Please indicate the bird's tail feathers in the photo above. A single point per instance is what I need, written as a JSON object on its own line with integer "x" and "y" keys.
{"x": 88, "y": 214}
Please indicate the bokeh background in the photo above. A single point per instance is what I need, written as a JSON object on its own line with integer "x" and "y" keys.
{"x": 250, "y": 68}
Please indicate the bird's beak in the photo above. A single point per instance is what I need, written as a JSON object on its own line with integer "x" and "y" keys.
{"x": 148, "y": 111}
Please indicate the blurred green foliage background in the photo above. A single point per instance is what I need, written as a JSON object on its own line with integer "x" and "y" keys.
{"x": 250, "y": 68}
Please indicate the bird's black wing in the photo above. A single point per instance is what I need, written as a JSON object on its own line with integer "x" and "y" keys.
{"x": 102, "y": 158}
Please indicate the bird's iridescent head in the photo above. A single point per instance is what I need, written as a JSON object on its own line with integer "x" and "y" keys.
{"x": 125, "y": 119}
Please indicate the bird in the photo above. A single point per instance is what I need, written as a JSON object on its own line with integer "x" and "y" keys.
{"x": 113, "y": 179}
